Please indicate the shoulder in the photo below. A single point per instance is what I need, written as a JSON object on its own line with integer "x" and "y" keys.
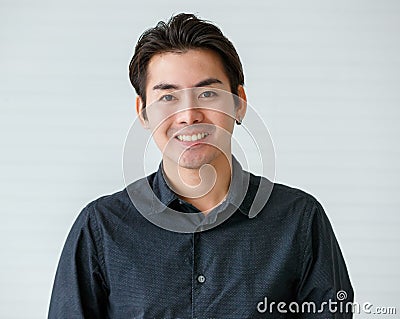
{"x": 115, "y": 200}
{"x": 107, "y": 210}
{"x": 280, "y": 193}
{"x": 287, "y": 202}
{"x": 291, "y": 195}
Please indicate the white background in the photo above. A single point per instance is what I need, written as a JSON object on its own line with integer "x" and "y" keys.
{"x": 324, "y": 75}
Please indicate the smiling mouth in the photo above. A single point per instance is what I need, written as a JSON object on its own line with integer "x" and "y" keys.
{"x": 193, "y": 137}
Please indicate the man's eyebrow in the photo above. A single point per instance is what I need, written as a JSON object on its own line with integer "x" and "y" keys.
{"x": 165, "y": 86}
{"x": 208, "y": 82}
{"x": 169, "y": 86}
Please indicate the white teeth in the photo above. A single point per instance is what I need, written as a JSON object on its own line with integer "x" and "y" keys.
{"x": 192, "y": 138}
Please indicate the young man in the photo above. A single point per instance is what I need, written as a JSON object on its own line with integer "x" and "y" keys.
{"x": 198, "y": 238}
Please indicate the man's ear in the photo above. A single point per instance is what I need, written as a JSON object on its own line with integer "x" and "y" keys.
{"x": 141, "y": 112}
{"x": 242, "y": 107}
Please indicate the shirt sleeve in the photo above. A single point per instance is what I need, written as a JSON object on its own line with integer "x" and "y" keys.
{"x": 80, "y": 289}
{"x": 324, "y": 278}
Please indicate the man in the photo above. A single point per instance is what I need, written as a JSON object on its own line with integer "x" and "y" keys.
{"x": 201, "y": 237}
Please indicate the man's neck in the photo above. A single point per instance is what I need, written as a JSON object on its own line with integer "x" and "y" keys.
{"x": 204, "y": 188}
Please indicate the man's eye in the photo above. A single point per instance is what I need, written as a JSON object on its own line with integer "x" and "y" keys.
{"x": 207, "y": 94}
{"x": 167, "y": 98}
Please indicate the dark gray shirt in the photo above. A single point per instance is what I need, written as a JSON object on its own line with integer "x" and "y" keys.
{"x": 144, "y": 253}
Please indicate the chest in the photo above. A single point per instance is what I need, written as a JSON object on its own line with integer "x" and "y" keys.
{"x": 228, "y": 270}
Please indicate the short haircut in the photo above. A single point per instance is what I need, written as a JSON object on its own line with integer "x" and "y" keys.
{"x": 181, "y": 33}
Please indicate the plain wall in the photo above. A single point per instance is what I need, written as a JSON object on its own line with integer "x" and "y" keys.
{"x": 324, "y": 76}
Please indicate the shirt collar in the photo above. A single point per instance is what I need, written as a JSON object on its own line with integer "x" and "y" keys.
{"x": 241, "y": 194}
{"x": 161, "y": 189}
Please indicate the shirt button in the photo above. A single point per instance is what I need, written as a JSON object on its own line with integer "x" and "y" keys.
{"x": 201, "y": 279}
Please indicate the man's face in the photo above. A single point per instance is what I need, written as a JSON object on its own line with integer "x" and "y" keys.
{"x": 190, "y": 109}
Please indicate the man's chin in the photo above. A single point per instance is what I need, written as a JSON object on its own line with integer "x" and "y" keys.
{"x": 195, "y": 162}
{"x": 192, "y": 164}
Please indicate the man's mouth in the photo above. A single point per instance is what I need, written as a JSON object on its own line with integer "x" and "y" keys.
{"x": 192, "y": 137}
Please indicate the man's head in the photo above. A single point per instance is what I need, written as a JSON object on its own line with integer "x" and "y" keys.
{"x": 181, "y": 33}
{"x": 189, "y": 76}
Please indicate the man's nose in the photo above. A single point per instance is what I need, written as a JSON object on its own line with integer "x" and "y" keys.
{"x": 190, "y": 114}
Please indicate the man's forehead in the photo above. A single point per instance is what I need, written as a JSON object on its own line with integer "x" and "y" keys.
{"x": 192, "y": 68}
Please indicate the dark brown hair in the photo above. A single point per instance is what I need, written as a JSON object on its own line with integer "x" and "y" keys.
{"x": 181, "y": 33}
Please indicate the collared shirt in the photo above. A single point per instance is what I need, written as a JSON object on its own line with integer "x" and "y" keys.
{"x": 145, "y": 253}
